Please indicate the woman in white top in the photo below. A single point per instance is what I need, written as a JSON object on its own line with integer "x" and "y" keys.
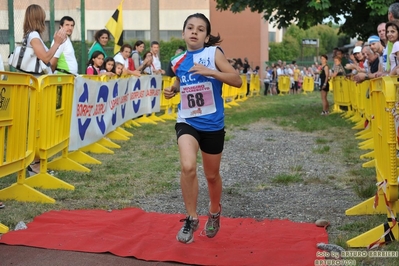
{"x": 392, "y": 31}
{"x": 33, "y": 28}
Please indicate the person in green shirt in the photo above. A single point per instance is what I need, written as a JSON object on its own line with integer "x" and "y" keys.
{"x": 101, "y": 40}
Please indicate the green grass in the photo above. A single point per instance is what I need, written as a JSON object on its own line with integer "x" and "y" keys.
{"x": 286, "y": 179}
{"x": 148, "y": 164}
{"x": 322, "y": 149}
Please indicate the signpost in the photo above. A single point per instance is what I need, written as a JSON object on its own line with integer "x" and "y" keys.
{"x": 310, "y": 43}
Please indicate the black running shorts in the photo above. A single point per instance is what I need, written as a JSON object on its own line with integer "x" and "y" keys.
{"x": 210, "y": 142}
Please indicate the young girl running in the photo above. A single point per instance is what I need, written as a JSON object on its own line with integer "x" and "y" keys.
{"x": 201, "y": 72}
{"x": 95, "y": 63}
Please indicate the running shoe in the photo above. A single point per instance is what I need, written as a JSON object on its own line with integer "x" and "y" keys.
{"x": 212, "y": 226}
{"x": 186, "y": 233}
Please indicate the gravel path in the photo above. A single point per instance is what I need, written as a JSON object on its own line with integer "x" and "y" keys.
{"x": 253, "y": 157}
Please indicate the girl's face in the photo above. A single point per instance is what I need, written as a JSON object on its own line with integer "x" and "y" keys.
{"x": 195, "y": 34}
{"x": 98, "y": 61}
{"x": 119, "y": 69}
{"x": 322, "y": 59}
{"x": 140, "y": 48}
{"x": 109, "y": 66}
{"x": 392, "y": 34}
{"x": 148, "y": 56}
{"x": 359, "y": 56}
{"x": 103, "y": 39}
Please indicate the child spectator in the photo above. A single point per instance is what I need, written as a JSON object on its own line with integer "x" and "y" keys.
{"x": 119, "y": 68}
{"x": 108, "y": 67}
{"x": 95, "y": 63}
{"x": 147, "y": 63}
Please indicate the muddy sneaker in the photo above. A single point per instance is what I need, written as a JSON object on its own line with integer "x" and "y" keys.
{"x": 186, "y": 233}
{"x": 212, "y": 226}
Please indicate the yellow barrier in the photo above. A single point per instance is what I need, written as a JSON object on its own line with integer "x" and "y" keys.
{"x": 361, "y": 98}
{"x": 353, "y": 114}
{"x": 19, "y": 93}
{"x": 242, "y": 91}
{"x": 166, "y": 104}
{"x": 54, "y": 111}
{"x": 229, "y": 95}
{"x": 307, "y": 84}
{"x": 341, "y": 94}
{"x": 284, "y": 84}
{"x": 384, "y": 96}
{"x": 254, "y": 85}
{"x": 364, "y": 110}
{"x": 226, "y": 96}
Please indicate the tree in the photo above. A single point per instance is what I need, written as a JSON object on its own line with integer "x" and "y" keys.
{"x": 291, "y": 48}
{"x": 361, "y": 16}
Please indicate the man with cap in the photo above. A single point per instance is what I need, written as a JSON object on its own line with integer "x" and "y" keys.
{"x": 376, "y": 46}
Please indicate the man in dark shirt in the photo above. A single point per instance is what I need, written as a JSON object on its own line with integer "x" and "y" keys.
{"x": 373, "y": 63}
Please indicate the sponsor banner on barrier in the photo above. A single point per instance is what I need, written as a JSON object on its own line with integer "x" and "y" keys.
{"x": 100, "y": 107}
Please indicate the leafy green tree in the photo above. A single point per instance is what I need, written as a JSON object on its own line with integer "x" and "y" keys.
{"x": 291, "y": 48}
{"x": 361, "y": 17}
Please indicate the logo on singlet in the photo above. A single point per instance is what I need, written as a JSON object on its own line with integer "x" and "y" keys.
{"x": 205, "y": 61}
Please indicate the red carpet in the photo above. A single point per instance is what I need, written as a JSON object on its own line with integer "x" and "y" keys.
{"x": 152, "y": 237}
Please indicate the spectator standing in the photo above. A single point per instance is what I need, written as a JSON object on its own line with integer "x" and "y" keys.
{"x": 338, "y": 69}
{"x": 343, "y": 60}
{"x": 273, "y": 84}
{"x": 101, "y": 40}
{"x": 64, "y": 59}
{"x": 279, "y": 73}
{"x": 156, "y": 61}
{"x": 325, "y": 86}
{"x": 392, "y": 30}
{"x": 290, "y": 73}
{"x": 147, "y": 65}
{"x": 123, "y": 57}
{"x": 377, "y": 47}
{"x": 381, "y": 34}
{"x": 373, "y": 63}
{"x": 266, "y": 80}
{"x": 297, "y": 74}
{"x": 393, "y": 14}
{"x": 34, "y": 25}
{"x": 246, "y": 66}
{"x": 358, "y": 64}
{"x": 138, "y": 48}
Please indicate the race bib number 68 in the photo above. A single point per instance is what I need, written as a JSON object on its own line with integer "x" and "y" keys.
{"x": 197, "y": 100}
